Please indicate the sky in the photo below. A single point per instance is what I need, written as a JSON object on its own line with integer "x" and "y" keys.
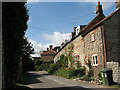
{"x": 50, "y": 23}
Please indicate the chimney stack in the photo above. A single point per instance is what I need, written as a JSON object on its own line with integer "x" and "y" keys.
{"x": 51, "y": 46}
{"x": 47, "y": 49}
{"x": 74, "y": 29}
{"x": 99, "y": 8}
{"x": 117, "y": 4}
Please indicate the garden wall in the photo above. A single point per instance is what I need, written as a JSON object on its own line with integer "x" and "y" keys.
{"x": 116, "y": 70}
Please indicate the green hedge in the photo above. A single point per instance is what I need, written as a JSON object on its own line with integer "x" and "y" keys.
{"x": 70, "y": 73}
{"x": 52, "y": 68}
{"x": 77, "y": 72}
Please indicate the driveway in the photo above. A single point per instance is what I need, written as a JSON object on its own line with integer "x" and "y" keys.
{"x": 43, "y": 80}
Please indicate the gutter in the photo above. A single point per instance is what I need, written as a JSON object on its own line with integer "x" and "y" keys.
{"x": 103, "y": 46}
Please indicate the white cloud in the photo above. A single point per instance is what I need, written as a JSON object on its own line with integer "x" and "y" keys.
{"x": 56, "y": 38}
{"x": 37, "y": 47}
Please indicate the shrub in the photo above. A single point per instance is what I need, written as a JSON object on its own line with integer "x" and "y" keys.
{"x": 64, "y": 73}
{"x": 51, "y": 68}
{"x": 38, "y": 68}
{"x": 38, "y": 61}
{"x": 77, "y": 72}
{"x": 100, "y": 77}
{"x": 70, "y": 73}
{"x": 78, "y": 64}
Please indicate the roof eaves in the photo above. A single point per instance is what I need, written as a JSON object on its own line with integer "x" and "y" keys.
{"x": 101, "y": 22}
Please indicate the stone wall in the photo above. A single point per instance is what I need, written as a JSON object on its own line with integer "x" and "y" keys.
{"x": 112, "y": 38}
{"x": 116, "y": 70}
{"x": 78, "y": 49}
{"x": 94, "y": 47}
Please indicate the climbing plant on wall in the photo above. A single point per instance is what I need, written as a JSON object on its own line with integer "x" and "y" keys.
{"x": 70, "y": 53}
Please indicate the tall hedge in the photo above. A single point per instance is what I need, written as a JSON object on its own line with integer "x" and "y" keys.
{"x": 14, "y": 19}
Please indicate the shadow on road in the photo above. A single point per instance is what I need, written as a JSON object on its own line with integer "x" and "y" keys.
{"x": 33, "y": 77}
{"x": 63, "y": 88}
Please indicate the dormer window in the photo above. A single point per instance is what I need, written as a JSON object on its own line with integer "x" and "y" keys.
{"x": 93, "y": 37}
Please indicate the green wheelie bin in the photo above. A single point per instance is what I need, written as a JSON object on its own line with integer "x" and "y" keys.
{"x": 107, "y": 77}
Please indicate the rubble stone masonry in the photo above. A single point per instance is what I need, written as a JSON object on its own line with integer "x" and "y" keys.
{"x": 94, "y": 47}
{"x": 116, "y": 70}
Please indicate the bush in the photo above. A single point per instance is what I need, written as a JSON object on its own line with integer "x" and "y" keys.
{"x": 51, "y": 68}
{"x": 38, "y": 68}
{"x": 77, "y": 72}
{"x": 69, "y": 73}
{"x": 100, "y": 77}
{"x": 64, "y": 73}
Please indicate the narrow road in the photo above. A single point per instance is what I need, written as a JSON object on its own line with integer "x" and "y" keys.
{"x": 43, "y": 80}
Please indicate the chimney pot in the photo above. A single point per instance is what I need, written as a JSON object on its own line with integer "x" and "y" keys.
{"x": 117, "y": 4}
{"x": 51, "y": 46}
{"x": 74, "y": 29}
{"x": 99, "y": 8}
{"x": 47, "y": 49}
{"x": 98, "y": 2}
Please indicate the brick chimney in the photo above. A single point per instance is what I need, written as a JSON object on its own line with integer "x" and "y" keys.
{"x": 51, "y": 46}
{"x": 99, "y": 8}
{"x": 74, "y": 29}
{"x": 117, "y": 4}
{"x": 47, "y": 49}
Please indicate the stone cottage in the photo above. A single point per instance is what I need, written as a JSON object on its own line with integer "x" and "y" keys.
{"x": 98, "y": 42}
{"x": 48, "y": 56}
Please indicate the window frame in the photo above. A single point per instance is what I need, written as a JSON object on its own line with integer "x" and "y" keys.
{"x": 92, "y": 37}
{"x": 95, "y": 59}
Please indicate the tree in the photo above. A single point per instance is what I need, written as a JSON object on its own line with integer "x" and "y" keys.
{"x": 14, "y": 24}
{"x": 27, "y": 63}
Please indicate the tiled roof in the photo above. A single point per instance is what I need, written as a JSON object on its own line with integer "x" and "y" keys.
{"x": 97, "y": 19}
{"x": 48, "y": 52}
{"x": 99, "y": 23}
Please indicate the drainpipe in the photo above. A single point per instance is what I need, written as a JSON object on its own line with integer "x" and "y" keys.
{"x": 103, "y": 46}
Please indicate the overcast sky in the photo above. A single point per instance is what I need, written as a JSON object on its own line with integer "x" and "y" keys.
{"x": 51, "y": 22}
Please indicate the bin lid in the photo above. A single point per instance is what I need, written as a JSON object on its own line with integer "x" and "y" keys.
{"x": 106, "y": 69}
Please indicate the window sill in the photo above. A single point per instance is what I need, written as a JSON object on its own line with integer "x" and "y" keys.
{"x": 95, "y": 65}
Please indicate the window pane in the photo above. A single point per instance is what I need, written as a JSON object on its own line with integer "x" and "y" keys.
{"x": 93, "y": 60}
{"x": 92, "y": 37}
{"x": 96, "y": 59}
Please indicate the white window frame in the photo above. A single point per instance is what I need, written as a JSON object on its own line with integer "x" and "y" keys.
{"x": 92, "y": 37}
{"x": 95, "y": 59}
